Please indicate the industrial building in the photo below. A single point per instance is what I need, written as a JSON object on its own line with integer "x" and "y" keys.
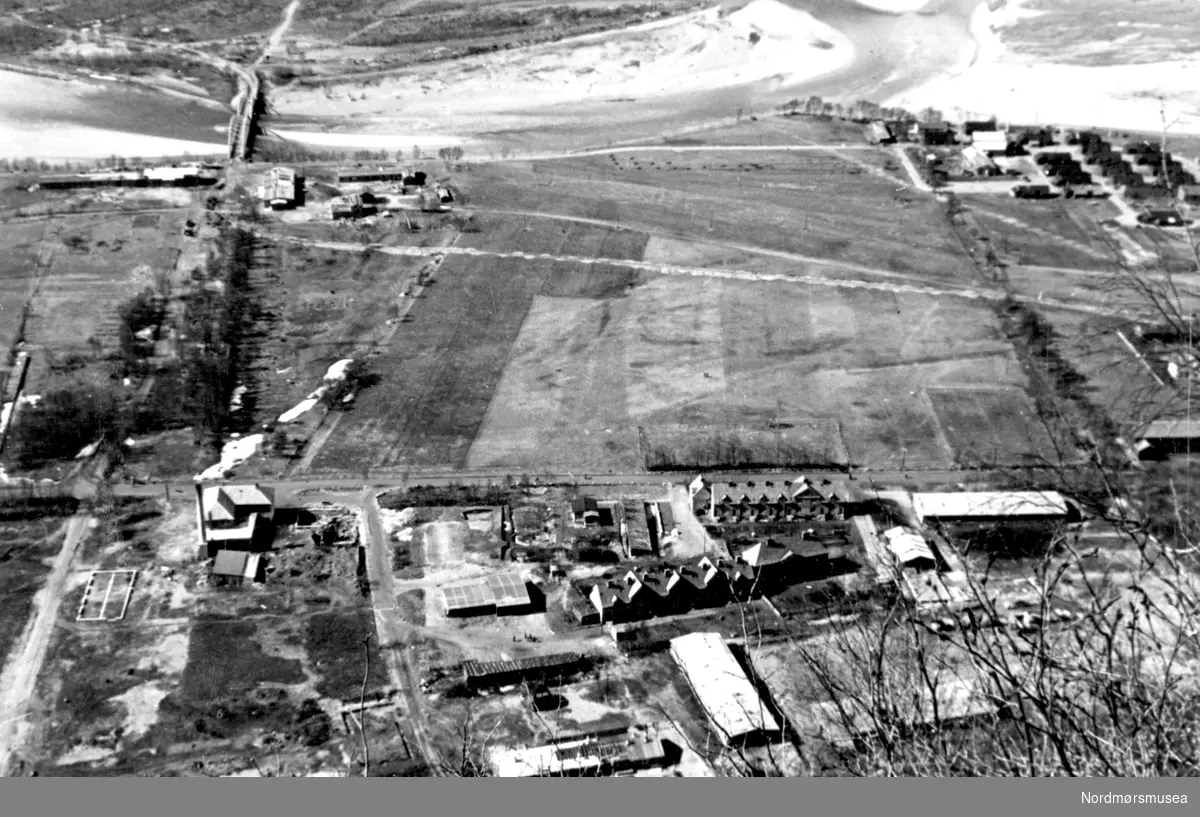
{"x": 736, "y": 711}
{"x": 991, "y": 506}
{"x": 499, "y": 593}
{"x": 234, "y": 517}
{"x": 281, "y": 189}
{"x": 560, "y": 666}
{"x": 582, "y": 756}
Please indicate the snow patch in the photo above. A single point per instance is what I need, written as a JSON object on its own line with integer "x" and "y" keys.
{"x": 232, "y": 453}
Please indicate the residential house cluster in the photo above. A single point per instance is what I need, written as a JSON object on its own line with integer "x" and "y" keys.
{"x": 235, "y": 523}
{"x": 709, "y": 582}
{"x": 772, "y": 500}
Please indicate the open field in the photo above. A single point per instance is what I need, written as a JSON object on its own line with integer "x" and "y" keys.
{"x": 95, "y": 263}
{"x": 1050, "y": 234}
{"x": 186, "y": 19}
{"x": 20, "y": 251}
{"x": 26, "y": 546}
{"x": 196, "y": 676}
{"x": 807, "y": 203}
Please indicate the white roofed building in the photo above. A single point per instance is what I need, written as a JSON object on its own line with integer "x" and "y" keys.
{"x": 236, "y": 517}
{"x": 736, "y": 711}
{"x": 991, "y": 506}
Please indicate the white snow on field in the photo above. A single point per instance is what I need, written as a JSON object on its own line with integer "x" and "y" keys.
{"x": 338, "y": 370}
{"x": 232, "y": 453}
{"x": 894, "y": 6}
{"x": 6, "y": 413}
{"x": 87, "y": 450}
{"x": 299, "y": 410}
{"x": 334, "y": 373}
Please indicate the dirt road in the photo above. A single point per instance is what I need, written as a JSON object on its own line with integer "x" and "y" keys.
{"x": 25, "y": 661}
{"x": 395, "y": 636}
{"x": 279, "y": 33}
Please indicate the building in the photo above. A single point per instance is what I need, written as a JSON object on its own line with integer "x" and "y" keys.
{"x": 354, "y": 206}
{"x": 878, "y": 133}
{"x": 234, "y": 517}
{"x": 1169, "y": 217}
{"x": 910, "y": 549}
{"x": 1161, "y": 438}
{"x": 937, "y": 135}
{"x": 990, "y": 142}
{"x": 729, "y": 698}
{"x": 585, "y": 511}
{"x": 1189, "y": 194}
{"x": 583, "y": 756}
{"x": 403, "y": 176}
{"x": 973, "y": 126}
{"x": 499, "y": 594}
{"x": 771, "y": 500}
{"x": 237, "y": 566}
{"x": 481, "y": 674}
{"x": 842, "y": 723}
{"x": 281, "y": 190}
{"x": 991, "y": 506}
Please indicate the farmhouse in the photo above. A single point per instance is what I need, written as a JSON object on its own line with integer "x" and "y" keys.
{"x": 585, "y": 511}
{"x": 280, "y": 191}
{"x": 991, "y": 506}
{"x": 499, "y": 593}
{"x": 729, "y": 698}
{"x": 1169, "y": 436}
{"x": 235, "y": 517}
{"x": 480, "y": 674}
{"x": 590, "y": 755}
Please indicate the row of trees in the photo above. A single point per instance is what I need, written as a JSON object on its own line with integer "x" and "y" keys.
{"x": 861, "y": 109}
{"x": 278, "y": 150}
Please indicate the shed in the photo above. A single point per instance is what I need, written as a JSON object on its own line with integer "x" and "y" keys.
{"x": 503, "y": 673}
{"x": 910, "y": 548}
{"x": 238, "y": 566}
{"x": 736, "y": 711}
{"x": 1170, "y": 436}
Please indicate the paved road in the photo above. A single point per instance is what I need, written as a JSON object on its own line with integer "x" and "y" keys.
{"x": 395, "y": 636}
{"x": 20, "y": 676}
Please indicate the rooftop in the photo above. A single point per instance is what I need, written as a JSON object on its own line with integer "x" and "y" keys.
{"x": 236, "y": 563}
{"x": 1168, "y": 429}
{"x": 989, "y": 504}
{"x": 721, "y": 685}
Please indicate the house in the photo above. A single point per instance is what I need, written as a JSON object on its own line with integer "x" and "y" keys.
{"x": 1164, "y": 437}
{"x": 234, "y": 517}
{"x": 937, "y": 135}
{"x": 729, "y": 698}
{"x": 990, "y": 142}
{"x": 709, "y": 587}
{"x": 738, "y": 576}
{"x": 237, "y": 566}
{"x": 625, "y": 600}
{"x": 878, "y": 133}
{"x": 665, "y": 592}
{"x": 971, "y": 127}
{"x": 1144, "y": 192}
{"x": 585, "y": 511}
{"x": 281, "y": 190}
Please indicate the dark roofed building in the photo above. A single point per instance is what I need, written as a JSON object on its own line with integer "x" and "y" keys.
{"x": 772, "y": 499}
{"x": 1169, "y": 436}
{"x": 479, "y": 674}
{"x": 237, "y": 566}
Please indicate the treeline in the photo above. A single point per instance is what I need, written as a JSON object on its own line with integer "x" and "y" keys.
{"x": 862, "y": 109}
{"x": 285, "y": 152}
{"x": 21, "y": 38}
{"x": 111, "y": 163}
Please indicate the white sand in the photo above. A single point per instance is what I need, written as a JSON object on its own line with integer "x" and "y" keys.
{"x": 655, "y": 61}
{"x": 993, "y": 80}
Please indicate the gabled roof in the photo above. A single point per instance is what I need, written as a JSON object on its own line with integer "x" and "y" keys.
{"x": 765, "y": 553}
{"x": 225, "y": 503}
{"x": 1172, "y": 429}
{"x": 907, "y": 546}
{"x": 989, "y": 504}
{"x": 236, "y": 563}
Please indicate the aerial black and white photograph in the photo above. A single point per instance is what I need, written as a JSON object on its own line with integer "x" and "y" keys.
{"x": 601, "y": 389}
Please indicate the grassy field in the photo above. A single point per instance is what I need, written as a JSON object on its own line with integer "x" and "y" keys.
{"x": 441, "y": 367}
{"x": 92, "y": 264}
{"x": 26, "y": 546}
{"x": 770, "y": 374}
{"x": 1050, "y": 234}
{"x": 188, "y": 20}
{"x": 986, "y": 426}
{"x": 334, "y": 645}
{"x": 808, "y": 203}
{"x": 20, "y": 248}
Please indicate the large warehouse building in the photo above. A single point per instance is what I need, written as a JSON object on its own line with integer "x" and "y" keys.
{"x": 731, "y": 701}
{"x": 500, "y": 593}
